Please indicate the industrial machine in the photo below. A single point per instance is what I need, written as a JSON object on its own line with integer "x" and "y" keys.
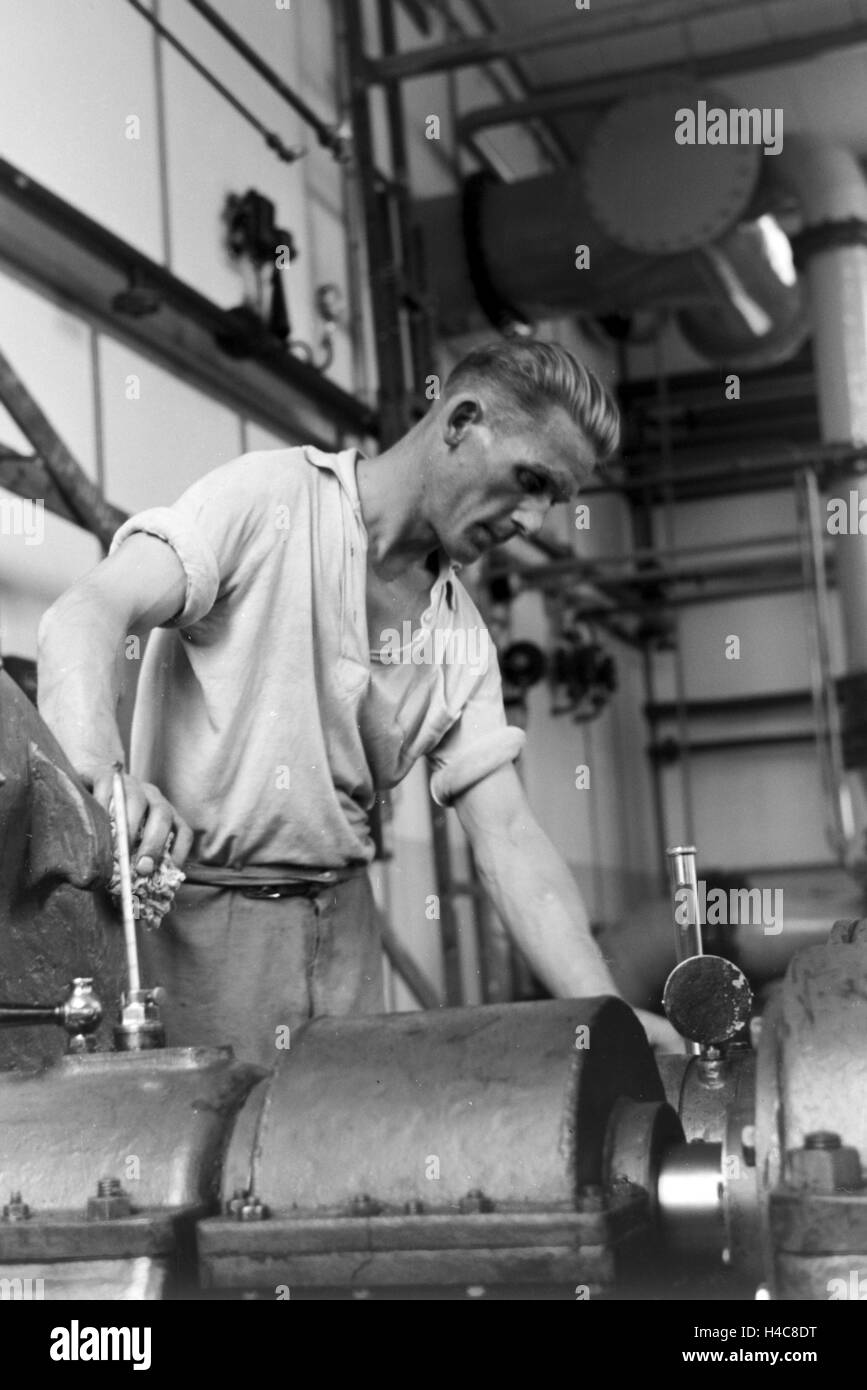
{"x": 519, "y": 1150}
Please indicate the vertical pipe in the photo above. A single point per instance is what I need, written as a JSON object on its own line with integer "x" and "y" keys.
{"x": 833, "y": 193}
{"x": 684, "y": 890}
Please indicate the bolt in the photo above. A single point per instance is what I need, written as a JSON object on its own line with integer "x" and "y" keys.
{"x": 748, "y": 1145}
{"x": 253, "y": 1210}
{"x": 591, "y": 1197}
{"x": 15, "y": 1209}
{"x": 111, "y": 1203}
{"x": 364, "y": 1206}
{"x": 824, "y": 1164}
{"x": 823, "y": 1139}
{"x": 245, "y": 1206}
{"x": 475, "y": 1202}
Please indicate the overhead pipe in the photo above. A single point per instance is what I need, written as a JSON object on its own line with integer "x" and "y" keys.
{"x": 663, "y": 224}
{"x": 629, "y": 17}
{"x": 609, "y": 87}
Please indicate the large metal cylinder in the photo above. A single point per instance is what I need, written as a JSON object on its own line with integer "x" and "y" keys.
{"x": 661, "y": 224}
{"x": 511, "y": 1101}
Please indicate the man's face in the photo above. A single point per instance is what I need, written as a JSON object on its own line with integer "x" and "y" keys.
{"x": 490, "y": 485}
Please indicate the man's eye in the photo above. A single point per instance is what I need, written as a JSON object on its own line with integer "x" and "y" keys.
{"x": 531, "y": 482}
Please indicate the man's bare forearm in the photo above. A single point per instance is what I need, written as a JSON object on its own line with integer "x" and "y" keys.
{"x": 79, "y": 680}
{"x": 541, "y": 906}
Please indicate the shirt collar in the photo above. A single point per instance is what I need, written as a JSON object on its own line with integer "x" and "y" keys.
{"x": 343, "y": 466}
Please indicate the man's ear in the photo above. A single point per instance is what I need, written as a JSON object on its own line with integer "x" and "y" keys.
{"x": 466, "y": 411}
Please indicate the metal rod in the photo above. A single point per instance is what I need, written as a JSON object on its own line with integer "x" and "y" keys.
{"x": 818, "y": 455}
{"x": 285, "y": 152}
{"x": 669, "y": 750}
{"x": 660, "y": 574}
{"x": 548, "y": 139}
{"x": 326, "y": 134}
{"x": 684, "y": 892}
{"x": 663, "y": 710}
{"x": 601, "y": 90}
{"x": 29, "y": 1015}
{"x": 580, "y": 29}
{"x": 122, "y": 843}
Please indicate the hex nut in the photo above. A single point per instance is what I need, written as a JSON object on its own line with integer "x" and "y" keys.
{"x": 112, "y": 1208}
{"x": 824, "y": 1170}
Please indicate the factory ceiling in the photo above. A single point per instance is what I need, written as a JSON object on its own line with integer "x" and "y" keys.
{"x": 810, "y": 59}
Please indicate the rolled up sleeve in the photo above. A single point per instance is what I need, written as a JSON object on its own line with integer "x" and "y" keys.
{"x": 477, "y": 744}
{"x": 192, "y": 548}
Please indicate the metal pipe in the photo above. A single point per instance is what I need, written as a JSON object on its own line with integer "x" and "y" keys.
{"x": 285, "y": 152}
{"x": 832, "y": 189}
{"x": 121, "y": 821}
{"x": 660, "y": 574}
{"x": 826, "y": 456}
{"x": 327, "y": 135}
{"x": 684, "y": 892}
{"x": 550, "y": 142}
{"x": 668, "y": 750}
{"x": 840, "y": 831}
{"x": 580, "y": 29}
{"x": 599, "y": 91}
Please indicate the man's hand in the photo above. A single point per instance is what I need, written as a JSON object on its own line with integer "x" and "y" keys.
{"x": 152, "y": 819}
{"x": 660, "y": 1034}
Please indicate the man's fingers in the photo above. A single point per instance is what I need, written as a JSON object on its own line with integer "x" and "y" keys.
{"x": 183, "y": 842}
{"x": 155, "y": 832}
{"x": 151, "y": 820}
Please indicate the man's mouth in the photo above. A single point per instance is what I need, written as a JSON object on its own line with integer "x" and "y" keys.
{"x": 491, "y": 536}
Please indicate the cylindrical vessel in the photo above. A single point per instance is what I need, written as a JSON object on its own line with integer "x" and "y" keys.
{"x": 508, "y": 1101}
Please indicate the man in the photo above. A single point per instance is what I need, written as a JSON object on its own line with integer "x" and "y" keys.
{"x": 272, "y": 702}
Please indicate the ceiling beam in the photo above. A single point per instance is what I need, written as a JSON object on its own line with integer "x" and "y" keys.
{"x": 599, "y": 91}
{"x": 582, "y": 27}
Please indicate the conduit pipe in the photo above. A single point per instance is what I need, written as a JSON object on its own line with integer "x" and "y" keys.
{"x": 642, "y": 222}
{"x": 830, "y": 186}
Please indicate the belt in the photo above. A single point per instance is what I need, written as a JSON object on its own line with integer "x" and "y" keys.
{"x": 274, "y": 881}
{"x": 284, "y": 890}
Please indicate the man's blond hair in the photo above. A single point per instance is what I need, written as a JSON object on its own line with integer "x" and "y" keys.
{"x": 528, "y": 378}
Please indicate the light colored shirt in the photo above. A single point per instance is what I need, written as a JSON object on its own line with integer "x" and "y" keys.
{"x": 262, "y": 713}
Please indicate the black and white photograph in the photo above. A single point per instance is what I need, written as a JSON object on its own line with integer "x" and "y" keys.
{"x": 433, "y": 668}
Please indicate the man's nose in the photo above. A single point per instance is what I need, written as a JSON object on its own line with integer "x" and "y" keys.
{"x": 529, "y": 518}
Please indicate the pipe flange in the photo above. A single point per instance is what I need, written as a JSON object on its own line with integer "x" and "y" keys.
{"x": 656, "y": 196}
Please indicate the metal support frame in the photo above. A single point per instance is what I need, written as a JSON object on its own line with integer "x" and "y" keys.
{"x": 85, "y": 266}
{"x": 600, "y": 91}
{"x": 581, "y": 28}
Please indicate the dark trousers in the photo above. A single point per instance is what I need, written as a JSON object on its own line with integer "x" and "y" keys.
{"x": 243, "y": 970}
